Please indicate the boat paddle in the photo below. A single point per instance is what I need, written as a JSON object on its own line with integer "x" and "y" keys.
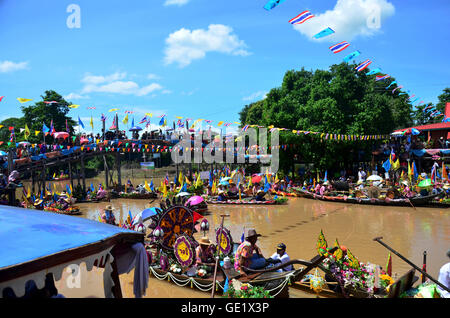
{"x": 378, "y": 239}
{"x": 217, "y": 257}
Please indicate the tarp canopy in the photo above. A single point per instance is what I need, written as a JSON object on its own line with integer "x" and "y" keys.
{"x": 26, "y": 235}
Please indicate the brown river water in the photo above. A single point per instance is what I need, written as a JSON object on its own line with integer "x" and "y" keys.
{"x": 409, "y": 231}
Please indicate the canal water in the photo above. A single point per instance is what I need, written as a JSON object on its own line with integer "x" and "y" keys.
{"x": 298, "y": 224}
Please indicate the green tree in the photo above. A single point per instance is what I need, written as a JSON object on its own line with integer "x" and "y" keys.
{"x": 338, "y": 101}
{"x": 39, "y": 113}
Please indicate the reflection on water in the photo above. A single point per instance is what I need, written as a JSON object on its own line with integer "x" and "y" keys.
{"x": 297, "y": 224}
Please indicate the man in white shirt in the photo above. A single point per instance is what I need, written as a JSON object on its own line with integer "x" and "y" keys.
{"x": 444, "y": 278}
{"x": 282, "y": 257}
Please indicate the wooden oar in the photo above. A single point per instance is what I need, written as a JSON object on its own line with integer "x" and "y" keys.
{"x": 378, "y": 239}
{"x": 309, "y": 265}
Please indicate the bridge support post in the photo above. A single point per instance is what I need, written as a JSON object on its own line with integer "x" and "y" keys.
{"x": 83, "y": 173}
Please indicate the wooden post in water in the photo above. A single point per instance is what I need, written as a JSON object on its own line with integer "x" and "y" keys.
{"x": 106, "y": 172}
{"x": 83, "y": 176}
{"x": 70, "y": 174}
{"x": 119, "y": 176}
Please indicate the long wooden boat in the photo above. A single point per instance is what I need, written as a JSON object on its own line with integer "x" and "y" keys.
{"x": 248, "y": 202}
{"x": 414, "y": 201}
{"x": 139, "y": 196}
{"x": 285, "y": 194}
{"x": 70, "y": 211}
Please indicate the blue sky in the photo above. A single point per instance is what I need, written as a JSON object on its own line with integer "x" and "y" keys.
{"x": 202, "y": 58}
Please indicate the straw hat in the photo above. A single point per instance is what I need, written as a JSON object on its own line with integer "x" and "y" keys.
{"x": 109, "y": 208}
{"x": 38, "y": 202}
{"x": 260, "y": 191}
{"x": 204, "y": 241}
{"x": 359, "y": 182}
{"x": 405, "y": 182}
{"x": 326, "y": 183}
{"x": 252, "y": 233}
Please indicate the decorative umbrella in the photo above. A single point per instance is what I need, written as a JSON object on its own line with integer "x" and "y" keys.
{"x": 415, "y": 132}
{"x": 224, "y": 183}
{"x": 256, "y": 178}
{"x": 146, "y": 214}
{"x": 225, "y": 179}
{"x": 135, "y": 128}
{"x": 183, "y": 194}
{"x": 425, "y": 183}
{"x": 374, "y": 178}
{"x": 194, "y": 200}
{"x": 24, "y": 143}
{"x": 61, "y": 134}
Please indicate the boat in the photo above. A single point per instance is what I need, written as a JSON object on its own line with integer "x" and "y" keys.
{"x": 36, "y": 247}
{"x": 285, "y": 194}
{"x": 277, "y": 201}
{"x": 138, "y": 196}
{"x": 172, "y": 242}
{"x": 414, "y": 201}
{"x": 72, "y": 210}
{"x": 342, "y": 275}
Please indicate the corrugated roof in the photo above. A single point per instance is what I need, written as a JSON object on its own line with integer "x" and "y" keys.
{"x": 436, "y": 126}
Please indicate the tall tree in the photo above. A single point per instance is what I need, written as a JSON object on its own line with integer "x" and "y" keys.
{"x": 338, "y": 101}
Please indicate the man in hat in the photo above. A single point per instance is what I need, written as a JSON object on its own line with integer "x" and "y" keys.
{"x": 108, "y": 216}
{"x": 260, "y": 195}
{"x": 233, "y": 189}
{"x": 248, "y": 253}
{"x": 444, "y": 278}
{"x": 204, "y": 255}
{"x": 39, "y": 204}
{"x": 221, "y": 196}
{"x": 282, "y": 257}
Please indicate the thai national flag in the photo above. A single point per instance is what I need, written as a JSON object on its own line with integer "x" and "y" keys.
{"x": 363, "y": 65}
{"x": 143, "y": 120}
{"x": 245, "y": 128}
{"x": 302, "y": 17}
{"x": 103, "y": 118}
{"x": 339, "y": 47}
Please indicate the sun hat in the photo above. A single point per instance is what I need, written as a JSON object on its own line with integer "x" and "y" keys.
{"x": 38, "y": 201}
{"x": 281, "y": 246}
{"x": 109, "y": 208}
{"x": 252, "y": 233}
{"x": 204, "y": 241}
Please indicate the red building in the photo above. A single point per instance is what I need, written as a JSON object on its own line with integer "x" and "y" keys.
{"x": 434, "y": 131}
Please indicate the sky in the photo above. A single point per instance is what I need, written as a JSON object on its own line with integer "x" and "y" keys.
{"x": 205, "y": 59}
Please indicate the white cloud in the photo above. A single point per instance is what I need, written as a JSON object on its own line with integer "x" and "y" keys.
{"x": 176, "y": 2}
{"x": 184, "y": 46}
{"x": 75, "y": 96}
{"x": 255, "y": 96}
{"x": 93, "y": 79}
{"x": 166, "y": 91}
{"x": 8, "y": 66}
{"x": 114, "y": 84}
{"x": 349, "y": 19}
{"x": 152, "y": 76}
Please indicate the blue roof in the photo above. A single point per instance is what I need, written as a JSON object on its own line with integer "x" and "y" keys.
{"x": 26, "y": 235}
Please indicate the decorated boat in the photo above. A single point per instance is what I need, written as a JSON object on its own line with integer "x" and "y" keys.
{"x": 278, "y": 200}
{"x": 72, "y": 210}
{"x": 414, "y": 201}
{"x": 138, "y": 196}
{"x": 172, "y": 255}
{"x": 285, "y": 194}
{"x": 341, "y": 274}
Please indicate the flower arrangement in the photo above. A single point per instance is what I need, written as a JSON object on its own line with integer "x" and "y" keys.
{"x": 247, "y": 291}
{"x": 175, "y": 268}
{"x": 201, "y": 272}
{"x": 361, "y": 278}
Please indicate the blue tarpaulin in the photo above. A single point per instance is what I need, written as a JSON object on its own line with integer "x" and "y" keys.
{"x": 26, "y": 235}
